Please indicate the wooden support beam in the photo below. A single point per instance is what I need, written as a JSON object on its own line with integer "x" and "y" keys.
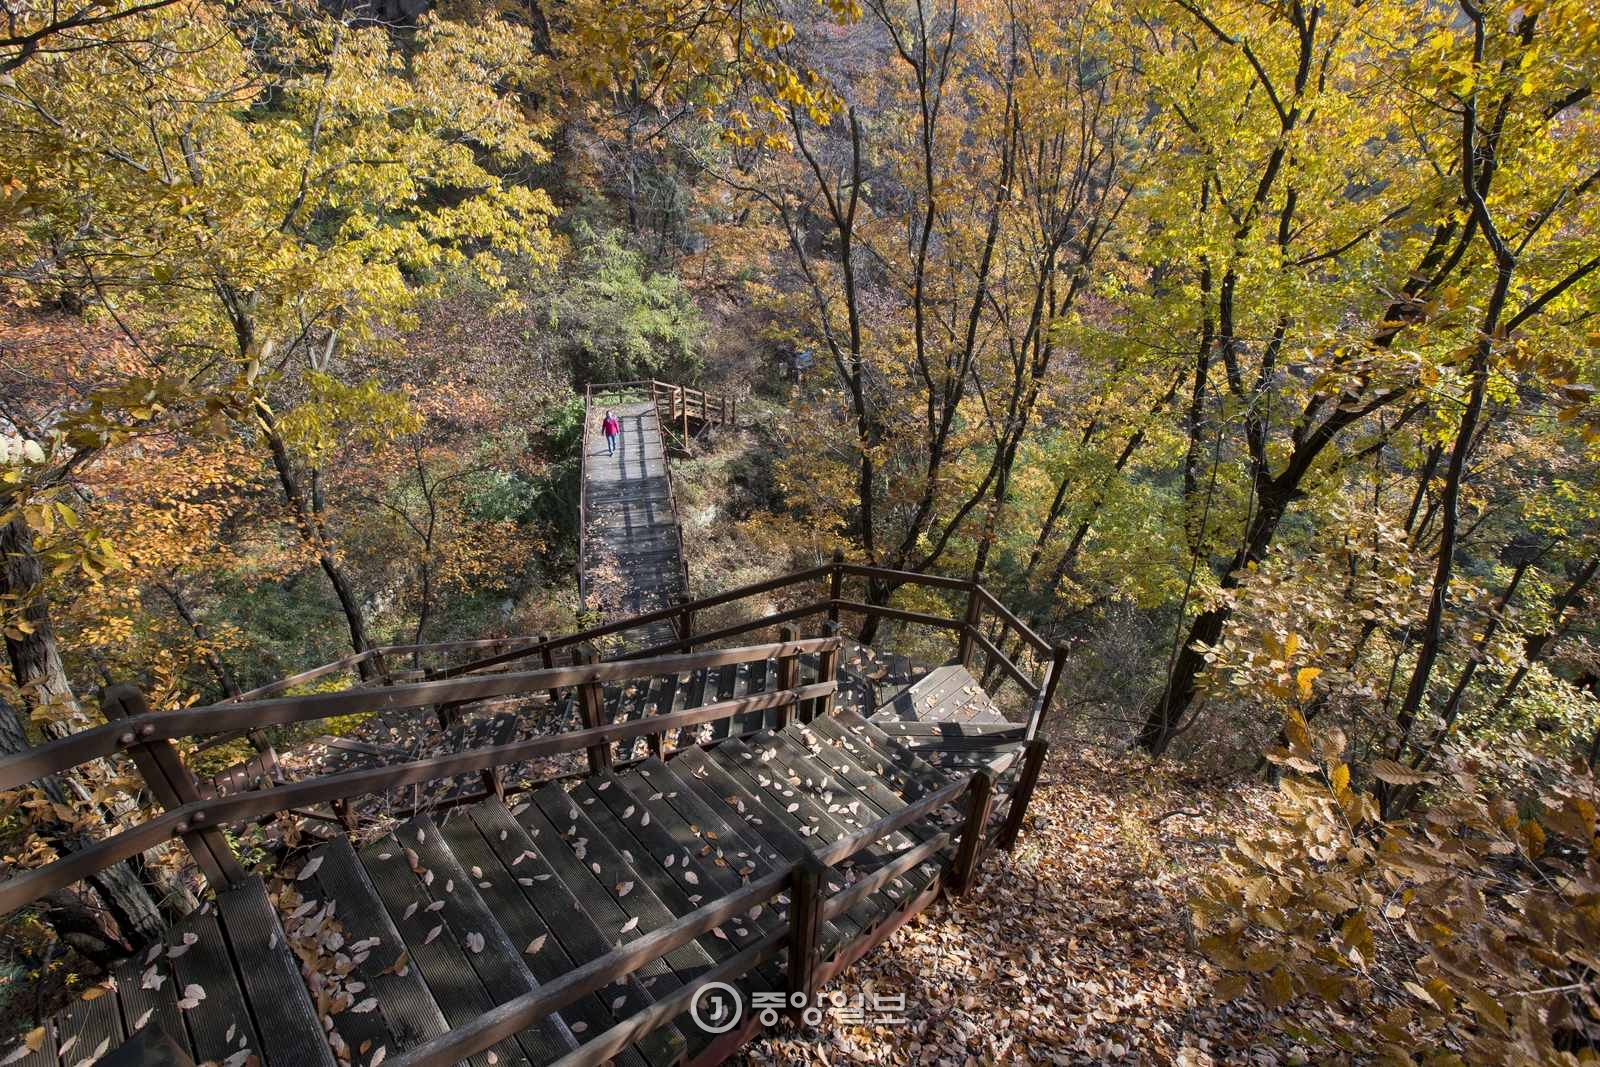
{"x": 685, "y": 614}
{"x": 592, "y": 705}
{"x": 173, "y": 786}
{"x": 1047, "y": 692}
{"x": 788, "y": 673}
{"x": 547, "y": 660}
{"x": 969, "y": 853}
{"x": 1032, "y": 763}
{"x": 969, "y": 626}
{"x": 835, "y": 585}
{"x": 805, "y": 924}
{"x": 827, "y": 670}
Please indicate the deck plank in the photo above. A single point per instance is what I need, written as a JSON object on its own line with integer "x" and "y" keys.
{"x": 148, "y": 1003}
{"x": 405, "y": 1013}
{"x": 89, "y": 1027}
{"x": 272, "y": 983}
{"x": 571, "y": 925}
{"x": 220, "y": 1024}
{"x": 526, "y": 928}
{"x": 436, "y": 951}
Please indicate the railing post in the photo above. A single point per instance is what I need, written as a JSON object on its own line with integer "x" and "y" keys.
{"x": 685, "y": 619}
{"x": 805, "y": 932}
{"x": 1047, "y": 692}
{"x": 722, "y": 410}
{"x": 969, "y": 853}
{"x": 733, "y": 412}
{"x": 592, "y": 706}
{"x": 788, "y": 674}
{"x": 547, "y": 660}
{"x": 969, "y": 625}
{"x": 835, "y": 585}
{"x": 1032, "y": 763}
{"x": 686, "y": 420}
{"x": 827, "y": 670}
{"x": 163, "y": 771}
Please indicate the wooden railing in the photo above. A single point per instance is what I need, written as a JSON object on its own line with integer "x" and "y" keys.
{"x": 821, "y": 593}
{"x": 982, "y": 629}
{"x": 678, "y": 404}
{"x": 147, "y": 737}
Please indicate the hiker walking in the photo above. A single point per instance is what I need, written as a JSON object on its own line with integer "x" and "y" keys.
{"x": 612, "y": 428}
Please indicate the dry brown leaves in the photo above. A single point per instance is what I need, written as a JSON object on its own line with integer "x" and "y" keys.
{"x": 1074, "y": 949}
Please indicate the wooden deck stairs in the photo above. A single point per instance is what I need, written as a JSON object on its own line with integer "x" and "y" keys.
{"x": 363, "y": 953}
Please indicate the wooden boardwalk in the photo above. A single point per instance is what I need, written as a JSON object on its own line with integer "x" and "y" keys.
{"x": 434, "y": 924}
{"x": 632, "y": 550}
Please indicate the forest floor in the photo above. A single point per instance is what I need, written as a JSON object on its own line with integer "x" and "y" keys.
{"x": 1074, "y": 949}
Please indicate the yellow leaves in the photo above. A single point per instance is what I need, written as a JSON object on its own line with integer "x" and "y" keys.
{"x": 1303, "y": 679}
{"x": 1339, "y": 780}
{"x": 1387, "y": 770}
{"x": 1356, "y": 937}
{"x": 1295, "y": 729}
{"x": 1531, "y": 836}
{"x": 1278, "y": 989}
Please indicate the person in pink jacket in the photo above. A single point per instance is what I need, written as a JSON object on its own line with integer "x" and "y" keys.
{"x": 612, "y": 428}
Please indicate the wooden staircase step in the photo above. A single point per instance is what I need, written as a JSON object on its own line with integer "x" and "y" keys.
{"x": 657, "y": 864}
{"x": 804, "y": 815}
{"x": 145, "y": 1007}
{"x": 922, "y": 776}
{"x": 595, "y": 900}
{"x": 414, "y": 897}
{"x": 642, "y": 905}
{"x": 220, "y": 1024}
{"x": 43, "y": 1056}
{"x": 945, "y": 694}
{"x": 843, "y": 809}
{"x": 881, "y": 800}
{"x": 526, "y": 928}
{"x": 283, "y": 1011}
{"x": 404, "y": 1013}
{"x": 701, "y": 867}
{"x": 573, "y": 932}
{"x": 746, "y": 853}
{"x": 89, "y": 1028}
{"x": 913, "y": 732}
{"x": 490, "y": 952}
{"x": 734, "y": 797}
{"x": 873, "y": 760}
{"x": 616, "y": 895}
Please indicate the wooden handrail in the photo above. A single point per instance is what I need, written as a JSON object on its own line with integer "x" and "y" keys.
{"x": 1023, "y": 630}
{"x": 62, "y": 754}
{"x": 634, "y": 622}
{"x": 25, "y": 887}
{"x": 973, "y": 636}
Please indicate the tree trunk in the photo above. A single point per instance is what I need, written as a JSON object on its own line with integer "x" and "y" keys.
{"x": 214, "y": 660}
{"x": 46, "y": 693}
{"x": 42, "y": 681}
{"x": 309, "y": 523}
{"x": 125, "y": 917}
